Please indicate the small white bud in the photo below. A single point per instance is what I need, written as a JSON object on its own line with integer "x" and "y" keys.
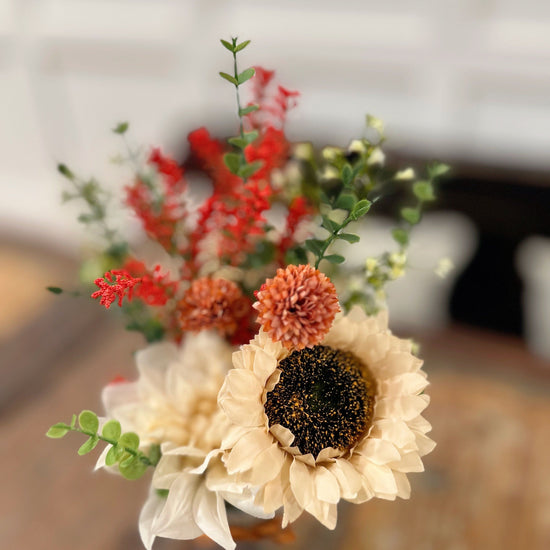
{"x": 407, "y": 174}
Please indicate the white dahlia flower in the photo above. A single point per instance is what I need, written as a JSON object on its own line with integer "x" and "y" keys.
{"x": 341, "y": 420}
{"x": 173, "y": 404}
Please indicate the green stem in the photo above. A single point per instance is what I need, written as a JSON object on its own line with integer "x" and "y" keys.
{"x": 330, "y": 240}
{"x": 138, "y": 454}
{"x": 236, "y": 75}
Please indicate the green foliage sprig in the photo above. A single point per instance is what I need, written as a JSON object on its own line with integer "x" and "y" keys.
{"x": 236, "y": 162}
{"x": 124, "y": 451}
{"x": 95, "y": 199}
{"x": 424, "y": 191}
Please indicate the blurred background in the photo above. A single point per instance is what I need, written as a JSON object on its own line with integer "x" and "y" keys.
{"x": 466, "y": 82}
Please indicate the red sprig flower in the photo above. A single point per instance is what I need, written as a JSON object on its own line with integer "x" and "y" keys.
{"x": 115, "y": 284}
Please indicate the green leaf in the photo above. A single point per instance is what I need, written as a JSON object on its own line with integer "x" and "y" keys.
{"x": 57, "y": 431}
{"x": 54, "y": 289}
{"x": 89, "y": 445}
{"x": 121, "y": 128}
{"x": 229, "y": 78}
{"x": 238, "y": 142}
{"x": 247, "y": 170}
{"x": 345, "y": 202}
{"x": 251, "y": 136}
{"x": 334, "y": 258}
{"x": 130, "y": 440}
{"x": 113, "y": 455}
{"x": 242, "y": 46}
{"x": 347, "y": 175}
{"x": 154, "y": 454}
{"x": 111, "y": 430}
{"x": 132, "y": 469}
{"x": 400, "y": 236}
{"x": 249, "y": 109}
{"x": 227, "y": 45}
{"x": 349, "y": 237}
{"x": 423, "y": 190}
{"x": 232, "y": 161}
{"x": 73, "y": 421}
{"x": 330, "y": 225}
{"x": 437, "y": 169}
{"x": 88, "y": 421}
{"x": 247, "y": 74}
{"x": 411, "y": 215}
{"x": 64, "y": 171}
{"x": 360, "y": 209}
{"x": 315, "y": 246}
{"x": 163, "y": 493}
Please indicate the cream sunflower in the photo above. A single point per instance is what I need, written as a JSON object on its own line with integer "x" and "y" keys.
{"x": 174, "y": 404}
{"x": 341, "y": 420}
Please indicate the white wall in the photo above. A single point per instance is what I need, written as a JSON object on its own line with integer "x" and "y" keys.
{"x": 452, "y": 79}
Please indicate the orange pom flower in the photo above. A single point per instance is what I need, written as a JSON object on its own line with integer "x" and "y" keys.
{"x": 215, "y": 304}
{"x": 297, "y": 306}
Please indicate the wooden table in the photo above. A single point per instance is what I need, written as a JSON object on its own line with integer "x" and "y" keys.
{"x": 486, "y": 486}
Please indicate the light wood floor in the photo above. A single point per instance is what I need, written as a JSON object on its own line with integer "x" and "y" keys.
{"x": 486, "y": 486}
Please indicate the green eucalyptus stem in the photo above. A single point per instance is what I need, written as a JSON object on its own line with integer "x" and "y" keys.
{"x": 237, "y": 94}
{"x": 138, "y": 454}
{"x": 333, "y": 236}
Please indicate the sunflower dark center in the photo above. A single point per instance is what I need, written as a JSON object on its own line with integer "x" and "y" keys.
{"x": 324, "y": 396}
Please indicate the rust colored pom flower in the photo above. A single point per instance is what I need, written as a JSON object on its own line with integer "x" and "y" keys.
{"x": 297, "y": 306}
{"x": 215, "y": 304}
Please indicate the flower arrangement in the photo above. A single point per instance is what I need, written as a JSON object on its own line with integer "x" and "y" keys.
{"x": 270, "y": 383}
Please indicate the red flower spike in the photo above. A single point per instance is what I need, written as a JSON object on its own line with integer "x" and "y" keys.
{"x": 160, "y": 210}
{"x": 116, "y": 283}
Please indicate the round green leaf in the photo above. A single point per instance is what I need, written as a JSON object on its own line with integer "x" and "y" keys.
{"x": 130, "y": 440}
{"x": 132, "y": 469}
{"x": 57, "y": 431}
{"x": 111, "y": 430}
{"x": 88, "y": 421}
{"x": 88, "y": 446}
{"x": 113, "y": 455}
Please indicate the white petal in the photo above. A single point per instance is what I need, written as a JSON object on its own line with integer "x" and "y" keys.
{"x": 409, "y": 383}
{"x": 264, "y": 366}
{"x": 282, "y": 434}
{"x": 326, "y": 485}
{"x": 378, "y": 450}
{"x": 101, "y": 458}
{"x": 267, "y": 465}
{"x": 410, "y": 462}
{"x": 403, "y": 485}
{"x": 210, "y": 515}
{"x": 424, "y": 444}
{"x": 405, "y": 407}
{"x": 396, "y": 363}
{"x": 302, "y": 483}
{"x": 273, "y": 494}
{"x": 151, "y": 509}
{"x": 326, "y": 454}
{"x": 348, "y": 478}
{"x": 152, "y": 364}
{"x": 420, "y": 424}
{"x": 241, "y": 457}
{"x": 292, "y": 509}
{"x": 395, "y": 431}
{"x": 118, "y": 395}
{"x": 175, "y": 520}
{"x": 380, "y": 478}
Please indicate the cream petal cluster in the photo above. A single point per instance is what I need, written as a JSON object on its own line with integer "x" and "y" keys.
{"x": 174, "y": 404}
{"x": 376, "y": 466}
